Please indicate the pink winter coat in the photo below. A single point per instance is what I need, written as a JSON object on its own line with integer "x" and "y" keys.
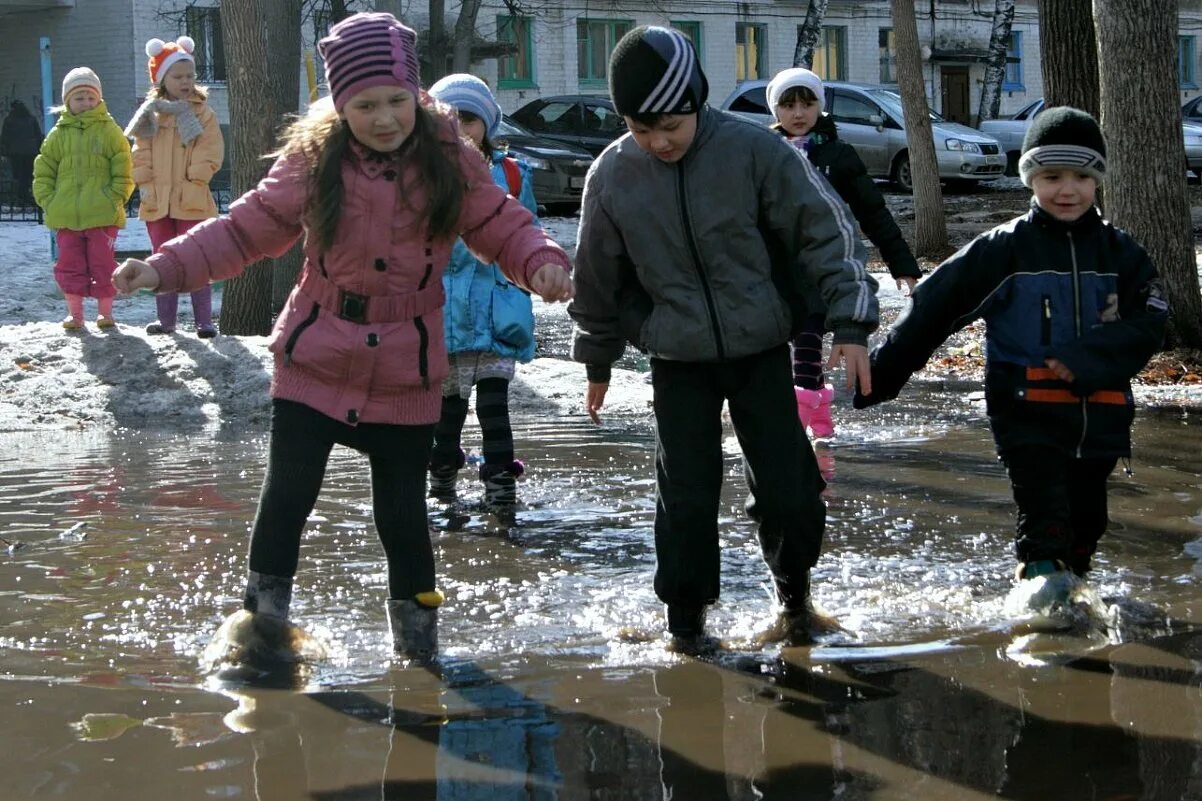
{"x": 361, "y": 337}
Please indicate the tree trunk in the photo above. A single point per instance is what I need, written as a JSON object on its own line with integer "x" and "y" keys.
{"x": 283, "y": 77}
{"x": 930, "y": 226}
{"x": 251, "y": 48}
{"x": 1069, "y": 51}
{"x": 436, "y": 43}
{"x": 808, "y": 33}
{"x": 392, "y": 7}
{"x": 995, "y": 67}
{"x": 1145, "y": 165}
{"x": 465, "y": 34}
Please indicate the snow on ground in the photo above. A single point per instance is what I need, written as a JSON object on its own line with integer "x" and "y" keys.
{"x": 52, "y": 378}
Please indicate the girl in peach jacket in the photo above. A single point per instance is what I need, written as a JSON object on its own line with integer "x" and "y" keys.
{"x": 177, "y": 149}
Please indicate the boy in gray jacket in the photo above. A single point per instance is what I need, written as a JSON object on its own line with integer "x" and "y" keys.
{"x": 699, "y": 232}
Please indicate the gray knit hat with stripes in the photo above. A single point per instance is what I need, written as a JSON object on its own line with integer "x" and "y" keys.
{"x": 654, "y": 70}
{"x": 367, "y": 50}
{"x": 1063, "y": 138}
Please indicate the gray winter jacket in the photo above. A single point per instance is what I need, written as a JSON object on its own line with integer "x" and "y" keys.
{"x": 684, "y": 260}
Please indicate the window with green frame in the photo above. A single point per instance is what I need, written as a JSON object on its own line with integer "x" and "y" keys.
{"x": 887, "y": 45}
{"x": 693, "y": 31}
{"x": 751, "y": 52}
{"x": 1186, "y": 76}
{"x": 595, "y": 40}
{"x": 516, "y": 70}
{"x": 830, "y": 54}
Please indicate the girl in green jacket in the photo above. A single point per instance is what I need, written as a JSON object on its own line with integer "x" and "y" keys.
{"x": 81, "y": 178}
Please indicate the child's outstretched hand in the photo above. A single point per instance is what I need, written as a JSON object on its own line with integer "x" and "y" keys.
{"x": 552, "y": 283}
{"x": 133, "y": 275}
{"x": 859, "y": 368}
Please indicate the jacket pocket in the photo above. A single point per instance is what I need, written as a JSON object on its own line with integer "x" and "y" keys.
{"x": 308, "y": 338}
{"x": 195, "y": 196}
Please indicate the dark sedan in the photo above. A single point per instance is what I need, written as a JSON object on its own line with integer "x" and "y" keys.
{"x": 587, "y": 121}
{"x": 559, "y": 169}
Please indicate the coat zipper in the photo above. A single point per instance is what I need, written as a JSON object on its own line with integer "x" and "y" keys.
{"x": 1072, "y": 252}
{"x": 697, "y": 263}
{"x": 291, "y": 343}
{"x": 1046, "y": 322}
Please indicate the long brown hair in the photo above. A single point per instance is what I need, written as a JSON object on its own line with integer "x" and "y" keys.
{"x": 324, "y": 139}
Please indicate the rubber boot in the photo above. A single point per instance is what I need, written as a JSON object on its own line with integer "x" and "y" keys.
{"x": 686, "y": 631}
{"x": 807, "y": 404}
{"x": 442, "y": 482}
{"x": 414, "y": 626}
{"x": 258, "y": 640}
{"x": 821, "y": 424}
{"x": 500, "y": 485}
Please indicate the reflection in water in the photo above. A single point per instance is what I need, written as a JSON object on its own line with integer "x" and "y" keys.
{"x": 537, "y": 699}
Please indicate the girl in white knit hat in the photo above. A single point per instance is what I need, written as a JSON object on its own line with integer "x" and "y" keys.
{"x": 177, "y": 149}
{"x": 81, "y": 179}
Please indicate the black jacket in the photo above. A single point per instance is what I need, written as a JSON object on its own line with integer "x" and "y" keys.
{"x": 841, "y": 165}
{"x": 1084, "y": 293}
{"x": 20, "y": 135}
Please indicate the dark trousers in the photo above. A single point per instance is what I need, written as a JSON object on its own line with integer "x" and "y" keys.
{"x": 782, "y": 474}
{"x": 492, "y": 410}
{"x": 301, "y": 441}
{"x": 1061, "y": 503}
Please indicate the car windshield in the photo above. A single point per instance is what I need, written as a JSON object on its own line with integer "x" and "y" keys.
{"x": 892, "y": 102}
{"x": 507, "y": 127}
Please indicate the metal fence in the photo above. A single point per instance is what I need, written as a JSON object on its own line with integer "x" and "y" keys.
{"x": 15, "y": 209}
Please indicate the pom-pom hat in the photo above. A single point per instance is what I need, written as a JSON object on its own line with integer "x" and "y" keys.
{"x": 164, "y": 54}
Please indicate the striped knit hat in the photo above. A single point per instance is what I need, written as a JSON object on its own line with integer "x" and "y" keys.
{"x": 368, "y": 50}
{"x": 1063, "y": 138}
{"x": 464, "y": 92}
{"x": 654, "y": 70}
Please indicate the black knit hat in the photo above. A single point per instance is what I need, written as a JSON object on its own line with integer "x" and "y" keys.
{"x": 1063, "y": 137}
{"x": 654, "y": 70}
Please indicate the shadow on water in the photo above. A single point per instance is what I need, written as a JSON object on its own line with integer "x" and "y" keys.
{"x": 537, "y": 697}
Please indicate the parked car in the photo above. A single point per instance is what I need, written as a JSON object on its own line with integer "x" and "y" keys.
{"x": 587, "y": 121}
{"x": 1011, "y": 130}
{"x": 559, "y": 169}
{"x": 869, "y": 118}
{"x": 1192, "y": 111}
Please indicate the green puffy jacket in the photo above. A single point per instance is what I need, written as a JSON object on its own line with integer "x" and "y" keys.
{"x": 84, "y": 174}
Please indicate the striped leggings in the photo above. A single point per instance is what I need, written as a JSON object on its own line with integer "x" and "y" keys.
{"x": 492, "y": 410}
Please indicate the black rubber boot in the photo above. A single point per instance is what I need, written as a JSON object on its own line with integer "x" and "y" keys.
{"x": 414, "y": 629}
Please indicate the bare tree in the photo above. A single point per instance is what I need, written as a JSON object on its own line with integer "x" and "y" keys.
{"x": 1068, "y": 51}
{"x": 930, "y": 227}
{"x": 995, "y": 67}
{"x": 257, "y": 33}
{"x": 1146, "y": 188}
{"x": 465, "y": 34}
{"x": 808, "y": 33}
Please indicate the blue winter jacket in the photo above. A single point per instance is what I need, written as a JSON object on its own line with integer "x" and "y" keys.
{"x": 470, "y": 285}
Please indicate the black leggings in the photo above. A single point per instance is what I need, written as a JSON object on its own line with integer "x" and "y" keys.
{"x": 492, "y": 410}
{"x": 301, "y": 441}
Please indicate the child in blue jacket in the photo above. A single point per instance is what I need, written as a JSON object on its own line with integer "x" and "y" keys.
{"x": 1073, "y": 310}
{"x": 489, "y": 321}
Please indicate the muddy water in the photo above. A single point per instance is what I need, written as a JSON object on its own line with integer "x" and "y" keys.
{"x": 927, "y": 696}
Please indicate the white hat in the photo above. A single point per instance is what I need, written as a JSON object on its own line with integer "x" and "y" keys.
{"x": 81, "y": 78}
{"x": 792, "y": 78}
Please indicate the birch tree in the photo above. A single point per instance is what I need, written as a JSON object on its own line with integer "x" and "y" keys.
{"x": 995, "y": 67}
{"x": 930, "y": 226}
{"x": 808, "y": 33}
{"x": 1145, "y": 183}
{"x": 1068, "y": 51}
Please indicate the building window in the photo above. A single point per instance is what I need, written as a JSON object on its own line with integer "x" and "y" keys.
{"x": 830, "y": 56}
{"x": 693, "y": 31}
{"x": 887, "y": 44}
{"x": 1013, "y": 80}
{"x": 595, "y": 40}
{"x": 516, "y": 70}
{"x": 750, "y": 51}
{"x": 204, "y": 26}
{"x": 1185, "y": 62}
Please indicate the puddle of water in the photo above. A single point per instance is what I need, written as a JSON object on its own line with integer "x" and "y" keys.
{"x": 99, "y": 635}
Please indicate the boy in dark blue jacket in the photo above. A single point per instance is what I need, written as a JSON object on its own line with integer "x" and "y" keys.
{"x": 1073, "y": 310}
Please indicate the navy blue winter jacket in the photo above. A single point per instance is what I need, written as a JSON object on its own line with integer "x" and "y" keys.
{"x": 1083, "y": 292}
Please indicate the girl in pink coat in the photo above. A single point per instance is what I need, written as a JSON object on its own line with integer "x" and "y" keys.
{"x": 380, "y": 184}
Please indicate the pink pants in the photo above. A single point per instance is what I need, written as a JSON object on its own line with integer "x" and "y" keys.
{"x": 164, "y": 230}
{"x": 86, "y": 261}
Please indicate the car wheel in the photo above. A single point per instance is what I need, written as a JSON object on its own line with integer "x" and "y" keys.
{"x": 901, "y": 173}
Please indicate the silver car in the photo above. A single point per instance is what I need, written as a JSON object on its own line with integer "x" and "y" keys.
{"x": 869, "y": 118}
{"x": 1011, "y": 130}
